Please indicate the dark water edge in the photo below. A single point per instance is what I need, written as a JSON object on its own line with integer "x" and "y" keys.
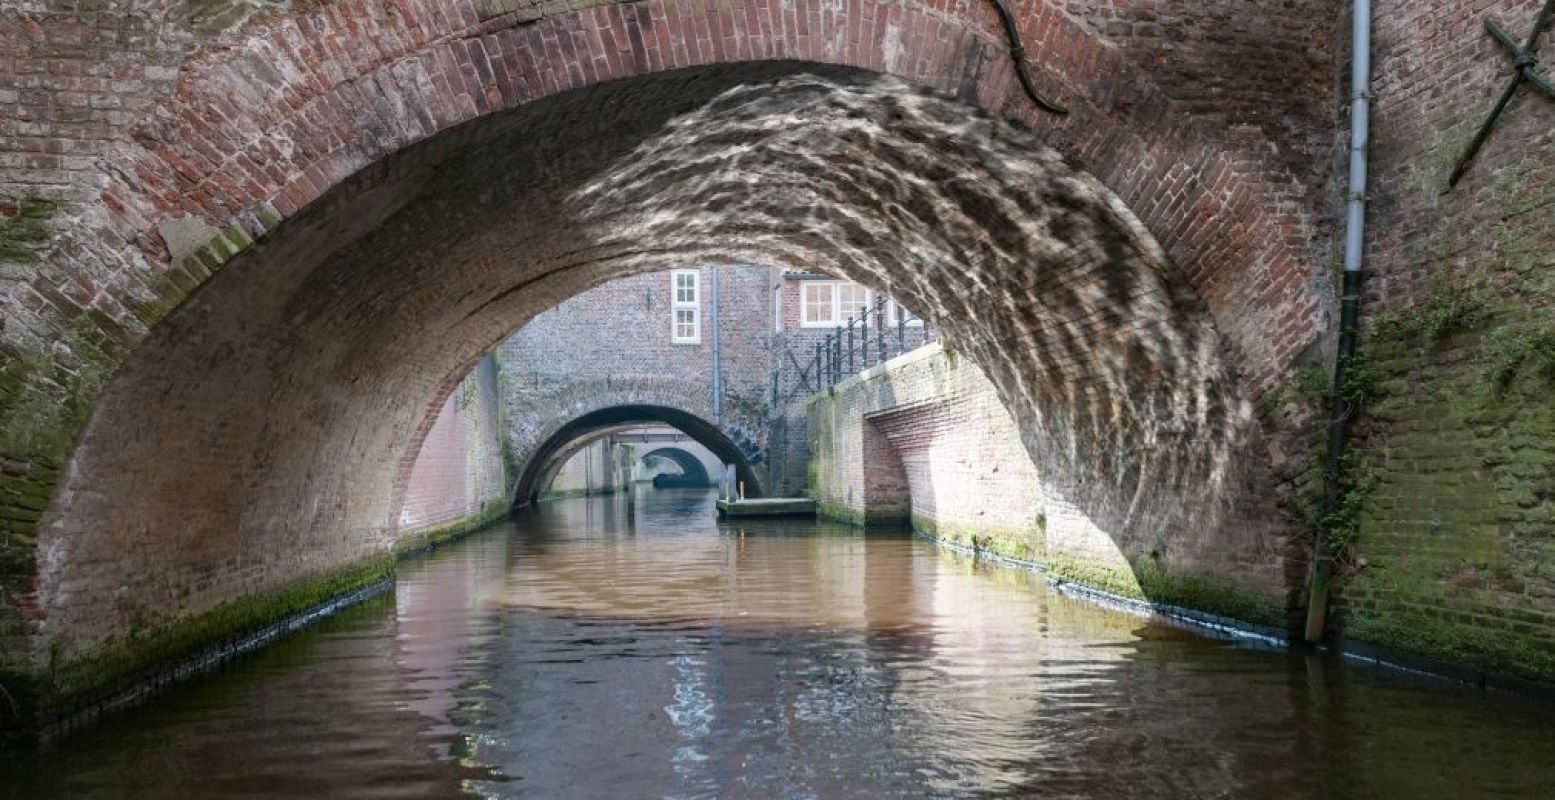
{"x": 582, "y": 652}
{"x": 148, "y": 688}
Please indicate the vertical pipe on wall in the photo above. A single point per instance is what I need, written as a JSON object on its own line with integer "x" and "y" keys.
{"x": 718, "y": 395}
{"x": 1321, "y": 573}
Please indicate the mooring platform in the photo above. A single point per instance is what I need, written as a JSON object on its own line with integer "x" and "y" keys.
{"x": 767, "y": 507}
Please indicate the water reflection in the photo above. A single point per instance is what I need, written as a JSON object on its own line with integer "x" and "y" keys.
{"x": 605, "y": 649}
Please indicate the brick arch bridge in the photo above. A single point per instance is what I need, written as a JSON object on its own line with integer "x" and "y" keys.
{"x": 368, "y": 196}
{"x": 585, "y": 432}
{"x": 541, "y": 443}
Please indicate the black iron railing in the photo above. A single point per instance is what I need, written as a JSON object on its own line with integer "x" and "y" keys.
{"x": 863, "y": 341}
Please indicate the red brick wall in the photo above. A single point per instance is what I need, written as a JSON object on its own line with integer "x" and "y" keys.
{"x": 971, "y": 480}
{"x": 925, "y": 440}
{"x": 458, "y": 472}
{"x": 1455, "y": 460}
{"x": 268, "y": 417}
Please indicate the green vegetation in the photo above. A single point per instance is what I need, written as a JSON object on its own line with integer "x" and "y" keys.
{"x": 1341, "y": 525}
{"x": 1312, "y": 383}
{"x": 1527, "y": 352}
{"x": 1494, "y": 645}
{"x": 1456, "y": 304}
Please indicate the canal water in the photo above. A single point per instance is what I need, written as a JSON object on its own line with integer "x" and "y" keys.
{"x": 598, "y": 650}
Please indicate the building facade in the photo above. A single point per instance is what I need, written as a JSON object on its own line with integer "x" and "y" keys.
{"x": 734, "y": 346}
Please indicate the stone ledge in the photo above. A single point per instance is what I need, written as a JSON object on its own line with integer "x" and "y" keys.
{"x": 767, "y": 507}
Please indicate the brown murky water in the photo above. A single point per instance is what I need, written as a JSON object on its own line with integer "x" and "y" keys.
{"x": 588, "y": 652}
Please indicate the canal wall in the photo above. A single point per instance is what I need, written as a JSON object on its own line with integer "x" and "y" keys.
{"x": 459, "y": 477}
{"x": 925, "y": 441}
{"x": 1447, "y": 532}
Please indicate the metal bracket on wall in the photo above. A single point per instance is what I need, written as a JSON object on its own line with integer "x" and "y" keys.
{"x": 1018, "y": 56}
{"x": 1526, "y": 59}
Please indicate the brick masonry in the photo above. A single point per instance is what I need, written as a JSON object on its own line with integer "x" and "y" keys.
{"x": 1454, "y": 551}
{"x": 796, "y": 378}
{"x": 926, "y": 440}
{"x": 307, "y": 168}
{"x": 459, "y": 472}
{"x": 611, "y": 347}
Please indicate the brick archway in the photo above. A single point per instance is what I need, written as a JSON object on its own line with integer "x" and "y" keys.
{"x": 283, "y": 169}
{"x": 558, "y": 436}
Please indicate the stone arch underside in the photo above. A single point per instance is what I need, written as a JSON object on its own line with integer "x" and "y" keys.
{"x": 332, "y": 336}
{"x": 343, "y": 324}
{"x": 566, "y": 435}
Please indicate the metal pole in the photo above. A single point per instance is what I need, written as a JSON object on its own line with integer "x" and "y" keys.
{"x": 836, "y": 361}
{"x": 880, "y": 335}
{"x": 718, "y": 406}
{"x": 1321, "y": 573}
{"x": 851, "y": 370}
{"x": 864, "y": 336}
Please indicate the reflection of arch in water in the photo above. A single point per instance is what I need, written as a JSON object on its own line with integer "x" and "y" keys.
{"x": 693, "y": 473}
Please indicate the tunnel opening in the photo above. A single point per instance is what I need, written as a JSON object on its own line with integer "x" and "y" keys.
{"x": 322, "y": 349}
{"x": 675, "y": 468}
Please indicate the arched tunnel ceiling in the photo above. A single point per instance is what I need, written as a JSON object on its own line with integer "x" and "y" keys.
{"x": 266, "y": 418}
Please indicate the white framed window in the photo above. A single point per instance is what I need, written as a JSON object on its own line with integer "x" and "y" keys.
{"x": 817, "y": 304}
{"x": 686, "y": 306}
{"x": 828, "y": 304}
{"x": 852, "y": 301}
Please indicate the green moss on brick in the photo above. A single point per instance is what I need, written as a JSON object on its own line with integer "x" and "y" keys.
{"x": 1484, "y": 643}
{"x": 124, "y": 661}
{"x": 1144, "y": 580}
{"x": 46, "y": 398}
{"x": 838, "y": 512}
{"x": 1459, "y": 529}
{"x": 1018, "y": 543}
{"x": 24, "y": 232}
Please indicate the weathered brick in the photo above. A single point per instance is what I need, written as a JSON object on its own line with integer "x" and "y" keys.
{"x": 339, "y": 118}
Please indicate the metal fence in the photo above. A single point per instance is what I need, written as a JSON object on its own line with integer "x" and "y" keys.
{"x": 863, "y": 341}
{"x": 809, "y": 366}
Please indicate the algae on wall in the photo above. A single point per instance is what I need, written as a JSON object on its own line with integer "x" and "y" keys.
{"x": 1454, "y": 549}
